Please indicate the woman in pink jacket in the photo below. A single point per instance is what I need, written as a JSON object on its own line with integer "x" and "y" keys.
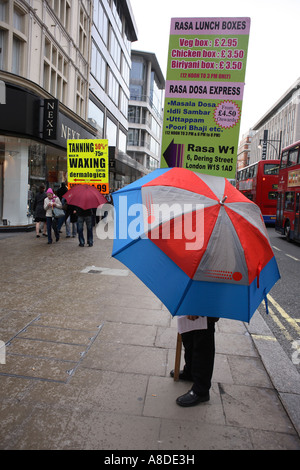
{"x": 50, "y": 202}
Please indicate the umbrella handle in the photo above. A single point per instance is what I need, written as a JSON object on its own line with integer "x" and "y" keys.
{"x": 177, "y": 357}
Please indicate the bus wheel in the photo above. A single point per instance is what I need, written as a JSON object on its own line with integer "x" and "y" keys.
{"x": 287, "y": 230}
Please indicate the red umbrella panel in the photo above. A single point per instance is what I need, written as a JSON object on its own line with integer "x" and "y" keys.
{"x": 84, "y": 196}
{"x": 202, "y": 247}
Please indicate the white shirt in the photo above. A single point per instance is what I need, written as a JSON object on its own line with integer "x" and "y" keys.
{"x": 184, "y": 324}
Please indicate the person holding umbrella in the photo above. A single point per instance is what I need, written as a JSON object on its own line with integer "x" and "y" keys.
{"x": 222, "y": 266}
{"x": 198, "y": 338}
{"x": 84, "y": 216}
{"x": 85, "y": 198}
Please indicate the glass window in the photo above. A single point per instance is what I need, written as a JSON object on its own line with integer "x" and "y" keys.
{"x": 125, "y": 70}
{"x": 98, "y": 66}
{"x": 2, "y": 48}
{"x": 16, "y": 56}
{"x": 111, "y": 133}
{"x": 102, "y": 24}
{"x": 293, "y": 156}
{"x": 122, "y": 141}
{"x": 96, "y": 118}
{"x": 136, "y": 92}
{"x": 134, "y": 113}
{"x": 3, "y": 10}
{"x": 289, "y": 201}
{"x": 284, "y": 158}
{"x": 18, "y": 20}
{"x": 115, "y": 49}
{"x": 116, "y": 11}
{"x": 137, "y": 70}
{"x": 271, "y": 169}
{"x": 113, "y": 88}
{"x": 123, "y": 103}
{"x": 272, "y": 195}
{"x": 133, "y": 137}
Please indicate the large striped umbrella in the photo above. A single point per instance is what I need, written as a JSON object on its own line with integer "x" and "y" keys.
{"x": 196, "y": 242}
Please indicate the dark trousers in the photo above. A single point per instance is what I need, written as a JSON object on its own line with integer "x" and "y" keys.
{"x": 199, "y": 355}
{"x": 89, "y": 228}
{"x": 52, "y": 224}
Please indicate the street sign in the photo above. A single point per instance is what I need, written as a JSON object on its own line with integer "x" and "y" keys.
{"x": 88, "y": 163}
{"x": 204, "y": 93}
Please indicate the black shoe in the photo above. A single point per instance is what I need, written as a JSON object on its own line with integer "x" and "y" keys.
{"x": 49, "y": 243}
{"x": 80, "y": 244}
{"x": 182, "y": 376}
{"x": 191, "y": 399}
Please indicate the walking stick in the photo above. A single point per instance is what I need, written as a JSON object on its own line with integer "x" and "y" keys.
{"x": 177, "y": 357}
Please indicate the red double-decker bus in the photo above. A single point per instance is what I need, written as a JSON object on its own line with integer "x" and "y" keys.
{"x": 287, "y": 214}
{"x": 259, "y": 183}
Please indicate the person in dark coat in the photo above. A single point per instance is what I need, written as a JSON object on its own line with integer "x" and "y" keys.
{"x": 39, "y": 211}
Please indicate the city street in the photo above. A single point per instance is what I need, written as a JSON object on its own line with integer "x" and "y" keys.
{"x": 284, "y": 314}
{"x": 89, "y": 351}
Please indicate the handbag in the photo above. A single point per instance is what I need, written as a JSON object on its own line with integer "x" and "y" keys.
{"x": 58, "y": 213}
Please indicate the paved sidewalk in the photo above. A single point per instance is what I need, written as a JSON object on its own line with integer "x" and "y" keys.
{"x": 88, "y": 359}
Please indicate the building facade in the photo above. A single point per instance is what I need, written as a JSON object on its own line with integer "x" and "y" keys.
{"x": 65, "y": 69}
{"x": 243, "y": 156}
{"x": 280, "y": 126}
{"x": 113, "y": 30}
{"x": 145, "y": 116}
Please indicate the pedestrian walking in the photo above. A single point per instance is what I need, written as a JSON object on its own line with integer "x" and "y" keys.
{"x": 50, "y": 202}
{"x": 39, "y": 211}
{"x": 85, "y": 216}
{"x": 71, "y": 219}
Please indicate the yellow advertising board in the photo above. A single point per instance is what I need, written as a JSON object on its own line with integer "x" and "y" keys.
{"x": 88, "y": 163}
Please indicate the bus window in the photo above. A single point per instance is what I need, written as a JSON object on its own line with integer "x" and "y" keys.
{"x": 289, "y": 201}
{"x": 271, "y": 169}
{"x": 284, "y": 159}
{"x": 272, "y": 195}
{"x": 297, "y": 202}
{"x": 293, "y": 156}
